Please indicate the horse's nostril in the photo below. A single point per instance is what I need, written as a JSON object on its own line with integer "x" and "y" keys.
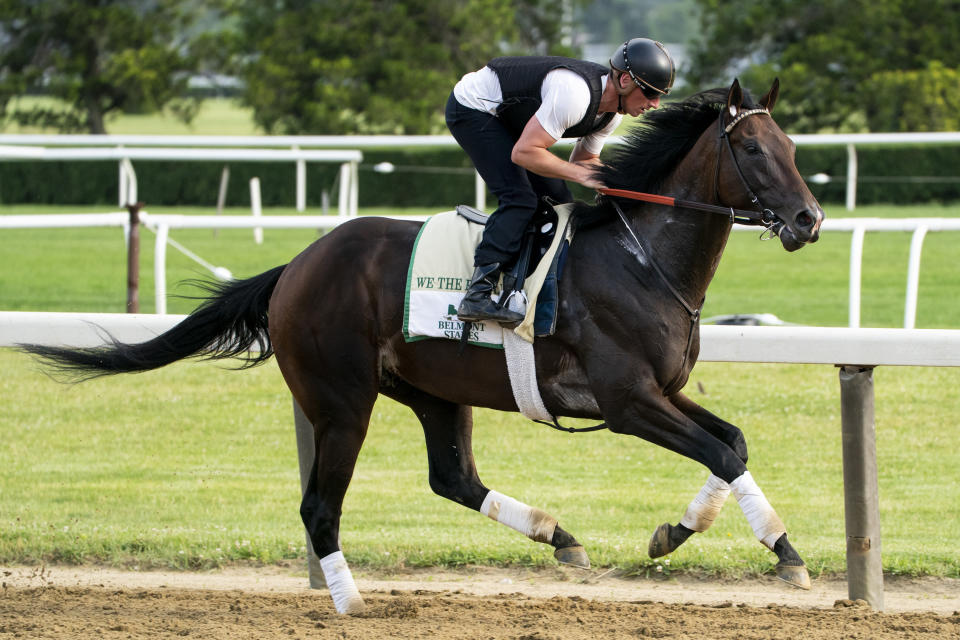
{"x": 804, "y": 220}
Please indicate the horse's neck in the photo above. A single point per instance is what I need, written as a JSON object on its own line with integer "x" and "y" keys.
{"x": 686, "y": 244}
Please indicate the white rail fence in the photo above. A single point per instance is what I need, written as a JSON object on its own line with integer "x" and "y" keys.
{"x": 349, "y": 160}
{"x": 162, "y": 224}
{"x": 851, "y": 141}
{"x": 855, "y": 351}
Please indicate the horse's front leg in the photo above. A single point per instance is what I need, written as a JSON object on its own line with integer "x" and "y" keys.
{"x": 705, "y": 507}
{"x": 654, "y": 418}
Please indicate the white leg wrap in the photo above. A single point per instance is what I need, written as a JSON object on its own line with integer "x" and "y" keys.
{"x": 531, "y": 522}
{"x": 765, "y": 522}
{"x": 706, "y": 505}
{"x": 343, "y": 589}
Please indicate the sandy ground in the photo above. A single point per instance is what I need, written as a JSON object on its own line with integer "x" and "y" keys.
{"x": 61, "y": 602}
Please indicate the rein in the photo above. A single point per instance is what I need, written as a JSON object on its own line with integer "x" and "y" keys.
{"x": 742, "y": 216}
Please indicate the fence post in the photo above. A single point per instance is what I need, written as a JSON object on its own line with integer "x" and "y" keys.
{"x": 305, "y": 454}
{"x": 133, "y": 258}
{"x": 851, "y": 177}
{"x": 222, "y": 193}
{"x": 479, "y": 192}
{"x": 301, "y": 184}
{"x": 861, "y": 494}
{"x": 256, "y": 208}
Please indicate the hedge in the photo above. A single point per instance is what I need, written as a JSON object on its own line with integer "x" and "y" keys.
{"x": 437, "y": 177}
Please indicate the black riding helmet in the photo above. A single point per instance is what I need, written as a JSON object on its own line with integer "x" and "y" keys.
{"x": 647, "y": 62}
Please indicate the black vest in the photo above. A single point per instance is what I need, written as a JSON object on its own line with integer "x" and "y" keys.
{"x": 521, "y": 79}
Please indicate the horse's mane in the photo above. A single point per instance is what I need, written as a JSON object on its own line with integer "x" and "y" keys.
{"x": 655, "y": 145}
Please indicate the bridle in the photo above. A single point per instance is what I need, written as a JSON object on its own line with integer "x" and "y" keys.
{"x": 767, "y": 217}
{"x": 762, "y": 217}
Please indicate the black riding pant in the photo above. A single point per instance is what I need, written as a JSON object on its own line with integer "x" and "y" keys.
{"x": 489, "y": 144}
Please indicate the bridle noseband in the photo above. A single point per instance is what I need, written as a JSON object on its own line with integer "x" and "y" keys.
{"x": 767, "y": 217}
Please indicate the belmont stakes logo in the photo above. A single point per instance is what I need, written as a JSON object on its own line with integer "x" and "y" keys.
{"x": 451, "y": 327}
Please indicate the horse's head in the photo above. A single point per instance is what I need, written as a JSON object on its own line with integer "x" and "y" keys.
{"x": 756, "y": 169}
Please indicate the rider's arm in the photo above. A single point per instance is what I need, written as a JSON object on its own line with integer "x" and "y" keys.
{"x": 532, "y": 152}
{"x": 581, "y": 154}
{"x": 588, "y": 148}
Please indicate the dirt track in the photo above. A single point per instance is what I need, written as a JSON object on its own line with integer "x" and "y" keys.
{"x": 71, "y": 602}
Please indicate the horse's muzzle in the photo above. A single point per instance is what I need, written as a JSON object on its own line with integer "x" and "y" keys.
{"x": 805, "y": 229}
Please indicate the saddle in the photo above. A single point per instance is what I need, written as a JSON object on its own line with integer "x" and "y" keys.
{"x": 537, "y": 240}
{"x": 442, "y": 262}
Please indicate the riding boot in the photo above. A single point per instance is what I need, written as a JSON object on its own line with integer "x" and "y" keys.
{"x": 477, "y": 304}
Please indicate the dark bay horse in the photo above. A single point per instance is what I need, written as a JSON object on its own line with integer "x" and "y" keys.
{"x": 625, "y": 342}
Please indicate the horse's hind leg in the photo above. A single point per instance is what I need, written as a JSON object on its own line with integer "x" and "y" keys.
{"x": 337, "y": 397}
{"x": 448, "y": 429}
{"x": 320, "y": 508}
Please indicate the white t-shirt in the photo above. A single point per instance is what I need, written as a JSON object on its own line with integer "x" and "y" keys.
{"x": 564, "y": 94}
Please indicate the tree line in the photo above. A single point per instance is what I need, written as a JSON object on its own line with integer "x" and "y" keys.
{"x": 386, "y": 66}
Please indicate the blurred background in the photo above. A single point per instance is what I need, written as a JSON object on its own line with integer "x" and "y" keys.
{"x": 385, "y": 67}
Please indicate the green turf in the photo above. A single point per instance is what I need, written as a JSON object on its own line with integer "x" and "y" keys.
{"x": 195, "y": 466}
{"x": 217, "y": 116}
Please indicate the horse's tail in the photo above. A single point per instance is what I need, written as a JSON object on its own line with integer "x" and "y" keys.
{"x": 230, "y": 322}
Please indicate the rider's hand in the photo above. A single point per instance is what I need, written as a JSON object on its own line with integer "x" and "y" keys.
{"x": 588, "y": 180}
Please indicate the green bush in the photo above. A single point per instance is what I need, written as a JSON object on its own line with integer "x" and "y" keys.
{"x": 438, "y": 177}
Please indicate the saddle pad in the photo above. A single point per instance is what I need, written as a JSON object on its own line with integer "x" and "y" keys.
{"x": 439, "y": 274}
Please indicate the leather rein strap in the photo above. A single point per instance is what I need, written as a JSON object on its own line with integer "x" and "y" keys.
{"x": 741, "y": 216}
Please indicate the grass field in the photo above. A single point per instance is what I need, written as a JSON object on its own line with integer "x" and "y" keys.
{"x": 195, "y": 466}
{"x": 217, "y": 116}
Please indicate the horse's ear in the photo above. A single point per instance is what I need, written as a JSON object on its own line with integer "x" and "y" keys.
{"x": 770, "y": 98}
{"x": 734, "y": 98}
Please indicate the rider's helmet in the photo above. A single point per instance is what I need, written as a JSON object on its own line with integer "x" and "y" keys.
{"x": 647, "y": 62}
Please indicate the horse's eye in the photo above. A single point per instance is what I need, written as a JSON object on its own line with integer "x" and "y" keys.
{"x": 752, "y": 148}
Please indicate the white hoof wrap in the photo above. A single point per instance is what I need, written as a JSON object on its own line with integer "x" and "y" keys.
{"x": 764, "y": 521}
{"x": 343, "y": 590}
{"x": 535, "y": 524}
{"x": 706, "y": 505}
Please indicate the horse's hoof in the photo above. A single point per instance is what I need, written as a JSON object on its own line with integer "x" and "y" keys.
{"x": 795, "y": 576}
{"x": 574, "y": 556}
{"x": 660, "y": 543}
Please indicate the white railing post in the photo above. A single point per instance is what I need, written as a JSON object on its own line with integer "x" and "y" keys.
{"x": 851, "y": 177}
{"x": 479, "y": 191}
{"x": 121, "y": 183}
{"x": 354, "y": 188}
{"x": 856, "y": 265}
{"x": 256, "y": 208}
{"x": 343, "y": 199}
{"x": 128, "y": 183}
{"x": 301, "y": 183}
{"x": 913, "y": 277}
{"x": 160, "y": 269}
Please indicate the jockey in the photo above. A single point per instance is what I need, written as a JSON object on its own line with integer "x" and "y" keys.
{"x": 508, "y": 114}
